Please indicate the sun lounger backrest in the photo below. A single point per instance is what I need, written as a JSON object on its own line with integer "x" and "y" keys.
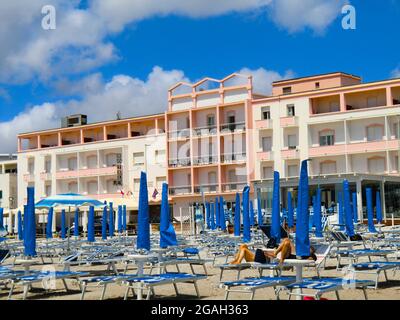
{"x": 322, "y": 252}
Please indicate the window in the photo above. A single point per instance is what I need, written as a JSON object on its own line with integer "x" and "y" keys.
{"x": 396, "y": 163}
{"x": 328, "y": 167}
{"x": 136, "y": 185}
{"x": 47, "y": 166}
{"x": 292, "y": 141}
{"x": 92, "y": 162}
{"x": 266, "y": 144}
{"x": 293, "y": 170}
{"x": 327, "y": 138}
{"x": 138, "y": 158}
{"x": 375, "y": 133}
{"x": 160, "y": 156}
{"x": 267, "y": 172}
{"x": 287, "y": 90}
{"x": 317, "y": 85}
{"x": 376, "y": 165}
{"x": 160, "y": 181}
{"x": 31, "y": 166}
{"x": 72, "y": 163}
{"x": 290, "y": 110}
{"x": 92, "y": 187}
{"x": 266, "y": 113}
{"x": 72, "y": 187}
{"x": 210, "y": 120}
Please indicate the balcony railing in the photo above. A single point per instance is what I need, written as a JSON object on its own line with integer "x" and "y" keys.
{"x": 205, "y": 160}
{"x": 204, "y": 131}
{"x": 233, "y": 157}
{"x": 66, "y": 174}
{"x": 265, "y": 156}
{"x": 233, "y": 127}
{"x": 206, "y": 188}
{"x": 264, "y": 124}
{"x": 45, "y": 176}
{"x": 179, "y": 134}
{"x": 290, "y": 154}
{"x": 233, "y": 186}
{"x": 289, "y": 121}
{"x": 173, "y": 191}
{"x": 182, "y": 162}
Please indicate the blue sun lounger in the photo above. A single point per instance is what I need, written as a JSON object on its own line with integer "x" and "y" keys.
{"x": 354, "y": 255}
{"x": 26, "y": 281}
{"x": 149, "y": 282}
{"x": 320, "y": 286}
{"x": 375, "y": 268}
{"x": 251, "y": 285}
{"x": 102, "y": 282}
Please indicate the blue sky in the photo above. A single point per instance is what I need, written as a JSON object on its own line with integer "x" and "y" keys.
{"x": 183, "y": 42}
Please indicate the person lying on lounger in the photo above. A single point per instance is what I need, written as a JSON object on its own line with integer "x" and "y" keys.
{"x": 286, "y": 250}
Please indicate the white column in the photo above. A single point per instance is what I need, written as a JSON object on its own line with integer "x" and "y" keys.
{"x": 359, "y": 200}
{"x": 116, "y": 220}
{"x": 16, "y": 222}
{"x": 10, "y": 221}
{"x": 54, "y": 222}
{"x": 85, "y": 221}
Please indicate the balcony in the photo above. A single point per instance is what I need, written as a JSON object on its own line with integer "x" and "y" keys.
{"x": 336, "y": 149}
{"x": 29, "y": 177}
{"x": 70, "y": 174}
{"x": 233, "y": 157}
{"x": 177, "y": 163}
{"x": 204, "y": 131}
{"x": 233, "y": 186}
{"x": 371, "y": 146}
{"x": 264, "y": 124}
{"x": 183, "y": 190}
{"x": 289, "y": 122}
{"x": 237, "y": 127}
{"x": 265, "y": 156}
{"x": 182, "y": 134}
{"x": 206, "y": 188}
{"x": 290, "y": 154}
{"x": 205, "y": 160}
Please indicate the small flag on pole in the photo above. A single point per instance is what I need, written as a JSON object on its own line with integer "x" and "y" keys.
{"x": 155, "y": 193}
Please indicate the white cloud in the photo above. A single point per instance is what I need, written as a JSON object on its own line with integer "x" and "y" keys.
{"x": 262, "y": 79}
{"x": 295, "y": 15}
{"x": 395, "y": 73}
{"x": 81, "y": 41}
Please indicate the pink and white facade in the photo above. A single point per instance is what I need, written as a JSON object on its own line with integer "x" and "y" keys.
{"x": 217, "y": 136}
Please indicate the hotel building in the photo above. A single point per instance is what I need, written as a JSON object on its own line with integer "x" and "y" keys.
{"x": 217, "y": 135}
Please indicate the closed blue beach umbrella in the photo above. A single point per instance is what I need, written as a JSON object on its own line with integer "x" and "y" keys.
{"x": 143, "y": 238}
{"x": 120, "y": 219}
{"x": 347, "y": 209}
{"x": 76, "y": 223}
{"x": 90, "y": 235}
{"x": 49, "y": 225}
{"x": 252, "y": 221}
{"x": 246, "y": 216}
{"x": 124, "y": 217}
{"x": 237, "y": 216}
{"x": 208, "y": 215}
{"x": 378, "y": 208}
{"x": 111, "y": 221}
{"x": 290, "y": 211}
{"x": 276, "y": 214}
{"x": 167, "y": 231}
{"x": 63, "y": 225}
{"x": 217, "y": 215}
{"x": 222, "y": 214}
{"x": 1, "y": 218}
{"x": 213, "y": 224}
{"x": 104, "y": 224}
{"x": 302, "y": 224}
{"x": 370, "y": 210}
{"x": 30, "y": 225}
